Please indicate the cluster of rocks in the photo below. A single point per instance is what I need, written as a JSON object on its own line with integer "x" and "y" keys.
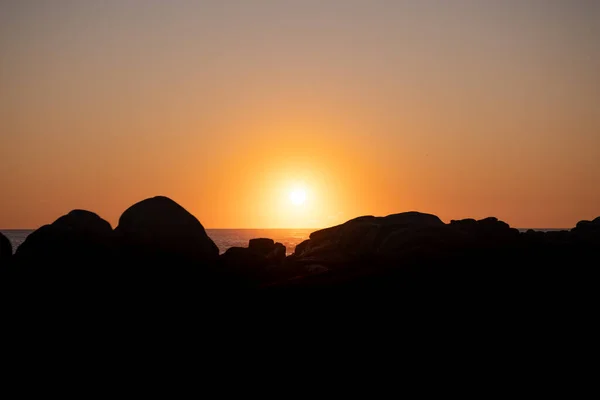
{"x": 418, "y": 252}
{"x": 158, "y": 243}
{"x": 151, "y": 233}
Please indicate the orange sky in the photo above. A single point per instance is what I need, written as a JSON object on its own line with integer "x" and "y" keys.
{"x": 461, "y": 109}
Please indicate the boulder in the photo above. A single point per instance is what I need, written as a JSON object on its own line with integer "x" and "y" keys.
{"x": 588, "y": 231}
{"x": 261, "y": 245}
{"x": 5, "y": 250}
{"x": 588, "y": 226}
{"x": 417, "y": 254}
{"x": 78, "y": 238}
{"x": 158, "y": 230}
{"x": 242, "y": 261}
{"x": 277, "y": 254}
{"x": 360, "y": 237}
{"x": 467, "y": 224}
{"x": 425, "y": 242}
{"x": 258, "y": 264}
{"x": 301, "y": 247}
{"x": 412, "y": 218}
{"x": 489, "y": 231}
{"x": 274, "y": 253}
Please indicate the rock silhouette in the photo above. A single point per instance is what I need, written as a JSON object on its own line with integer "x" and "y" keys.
{"x": 5, "y": 250}
{"x": 158, "y": 230}
{"x": 160, "y": 250}
{"x": 365, "y": 236}
{"x": 78, "y": 239}
{"x": 418, "y": 253}
{"x": 262, "y": 261}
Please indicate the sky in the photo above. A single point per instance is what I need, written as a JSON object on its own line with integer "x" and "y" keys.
{"x": 463, "y": 109}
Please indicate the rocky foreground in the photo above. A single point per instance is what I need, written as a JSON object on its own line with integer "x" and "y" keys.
{"x": 158, "y": 246}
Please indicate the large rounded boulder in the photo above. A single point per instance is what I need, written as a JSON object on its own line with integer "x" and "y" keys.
{"x": 78, "y": 238}
{"x": 588, "y": 229}
{"x": 364, "y": 236}
{"x": 158, "y": 230}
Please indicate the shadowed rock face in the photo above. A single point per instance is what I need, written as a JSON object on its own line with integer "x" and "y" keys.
{"x": 261, "y": 245}
{"x": 588, "y": 228}
{"x": 363, "y": 236}
{"x": 160, "y": 230}
{"x": 80, "y": 237}
{"x": 5, "y": 250}
{"x": 261, "y": 262}
{"x": 419, "y": 253}
{"x": 401, "y": 253}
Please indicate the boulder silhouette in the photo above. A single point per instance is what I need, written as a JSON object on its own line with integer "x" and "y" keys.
{"x": 487, "y": 232}
{"x": 588, "y": 227}
{"x": 414, "y": 252}
{"x": 361, "y": 237}
{"x": 418, "y": 255}
{"x": 259, "y": 263}
{"x": 261, "y": 245}
{"x": 243, "y": 266}
{"x": 158, "y": 230}
{"x": 273, "y": 252}
{"x": 79, "y": 238}
{"x": 5, "y": 250}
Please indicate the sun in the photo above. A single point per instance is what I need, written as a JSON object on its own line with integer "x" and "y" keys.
{"x": 298, "y": 197}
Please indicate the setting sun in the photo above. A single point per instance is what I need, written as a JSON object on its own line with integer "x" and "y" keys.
{"x": 298, "y": 196}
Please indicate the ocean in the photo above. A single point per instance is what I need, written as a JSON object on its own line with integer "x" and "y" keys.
{"x": 223, "y": 238}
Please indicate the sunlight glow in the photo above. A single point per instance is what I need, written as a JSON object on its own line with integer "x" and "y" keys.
{"x": 298, "y": 196}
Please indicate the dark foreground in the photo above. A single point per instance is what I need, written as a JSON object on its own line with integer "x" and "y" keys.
{"x": 160, "y": 250}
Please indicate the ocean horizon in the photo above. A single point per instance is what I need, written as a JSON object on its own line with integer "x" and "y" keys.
{"x": 225, "y": 238}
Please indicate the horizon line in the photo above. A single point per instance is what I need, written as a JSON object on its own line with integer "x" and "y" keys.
{"x": 241, "y": 229}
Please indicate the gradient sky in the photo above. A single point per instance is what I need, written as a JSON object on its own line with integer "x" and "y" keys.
{"x": 457, "y": 108}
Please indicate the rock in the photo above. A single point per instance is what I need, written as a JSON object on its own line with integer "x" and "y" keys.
{"x": 588, "y": 231}
{"x": 418, "y": 256}
{"x": 359, "y": 237}
{"x": 583, "y": 225}
{"x": 78, "y": 238}
{"x": 533, "y": 237}
{"x": 423, "y": 242}
{"x": 316, "y": 268}
{"x": 242, "y": 261}
{"x": 277, "y": 254}
{"x": 467, "y": 224}
{"x": 259, "y": 263}
{"x": 301, "y": 247}
{"x": 160, "y": 230}
{"x": 493, "y": 224}
{"x": 5, "y": 250}
{"x": 412, "y": 218}
{"x": 325, "y": 233}
{"x": 261, "y": 245}
{"x": 274, "y": 253}
{"x": 588, "y": 226}
{"x": 488, "y": 230}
